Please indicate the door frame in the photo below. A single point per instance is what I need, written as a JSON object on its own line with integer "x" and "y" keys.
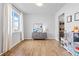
{"x": 7, "y": 26}
{"x": 59, "y": 20}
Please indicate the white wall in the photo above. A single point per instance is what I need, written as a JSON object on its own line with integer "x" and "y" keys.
{"x": 68, "y": 9}
{"x": 1, "y": 22}
{"x": 29, "y": 20}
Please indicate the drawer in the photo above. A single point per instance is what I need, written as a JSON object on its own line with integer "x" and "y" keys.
{"x": 39, "y": 35}
{"x": 35, "y": 35}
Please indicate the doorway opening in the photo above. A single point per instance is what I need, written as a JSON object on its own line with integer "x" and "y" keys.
{"x": 12, "y": 27}
{"x": 61, "y": 29}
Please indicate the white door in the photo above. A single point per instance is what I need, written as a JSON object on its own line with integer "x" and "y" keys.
{"x": 13, "y": 27}
{"x": 16, "y": 26}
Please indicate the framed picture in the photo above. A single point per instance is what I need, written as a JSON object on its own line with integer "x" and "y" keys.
{"x": 37, "y": 27}
{"x": 69, "y": 18}
{"x": 76, "y": 16}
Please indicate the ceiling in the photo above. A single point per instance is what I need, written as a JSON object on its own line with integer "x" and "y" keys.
{"x": 31, "y": 8}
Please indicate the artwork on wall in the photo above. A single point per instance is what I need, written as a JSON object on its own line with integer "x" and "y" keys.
{"x": 69, "y": 18}
{"x": 37, "y": 27}
{"x": 76, "y": 16}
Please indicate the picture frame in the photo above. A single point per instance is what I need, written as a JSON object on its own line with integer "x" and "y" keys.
{"x": 69, "y": 18}
{"x": 76, "y": 16}
{"x": 37, "y": 27}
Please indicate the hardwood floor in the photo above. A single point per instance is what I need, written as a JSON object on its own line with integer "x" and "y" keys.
{"x": 37, "y": 48}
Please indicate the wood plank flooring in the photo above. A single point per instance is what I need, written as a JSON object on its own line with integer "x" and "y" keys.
{"x": 37, "y": 48}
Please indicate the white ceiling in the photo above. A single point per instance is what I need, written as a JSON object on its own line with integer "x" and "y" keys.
{"x": 31, "y": 8}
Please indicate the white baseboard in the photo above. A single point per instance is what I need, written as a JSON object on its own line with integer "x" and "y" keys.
{"x": 32, "y": 38}
{"x": 50, "y": 38}
{"x": 28, "y": 38}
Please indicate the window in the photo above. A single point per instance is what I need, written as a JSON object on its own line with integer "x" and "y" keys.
{"x": 15, "y": 21}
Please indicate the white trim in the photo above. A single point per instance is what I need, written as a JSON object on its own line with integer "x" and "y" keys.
{"x": 28, "y": 38}
{"x": 32, "y": 38}
{"x": 5, "y": 19}
{"x": 50, "y": 38}
{"x": 22, "y": 28}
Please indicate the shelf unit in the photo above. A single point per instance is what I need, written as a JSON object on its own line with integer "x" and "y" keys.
{"x": 72, "y": 39}
{"x": 61, "y": 27}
